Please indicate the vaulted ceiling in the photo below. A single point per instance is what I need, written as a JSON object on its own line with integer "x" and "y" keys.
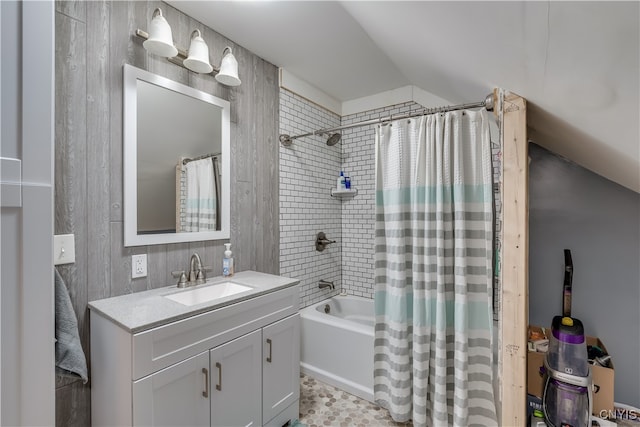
{"x": 576, "y": 63}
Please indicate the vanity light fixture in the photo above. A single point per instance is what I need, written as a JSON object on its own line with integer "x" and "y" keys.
{"x": 228, "y": 74}
{"x": 159, "y": 41}
{"x": 198, "y": 59}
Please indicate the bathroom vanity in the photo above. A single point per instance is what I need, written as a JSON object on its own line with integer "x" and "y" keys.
{"x": 223, "y": 353}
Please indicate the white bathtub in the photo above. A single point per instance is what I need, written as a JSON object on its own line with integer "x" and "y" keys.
{"x": 337, "y": 348}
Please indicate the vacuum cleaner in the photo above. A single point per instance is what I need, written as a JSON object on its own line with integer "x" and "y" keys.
{"x": 568, "y": 391}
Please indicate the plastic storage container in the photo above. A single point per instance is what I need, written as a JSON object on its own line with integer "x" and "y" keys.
{"x": 227, "y": 261}
{"x": 567, "y": 347}
{"x": 340, "y": 182}
{"x": 568, "y": 405}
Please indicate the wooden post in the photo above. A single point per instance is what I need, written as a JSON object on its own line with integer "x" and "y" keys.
{"x": 514, "y": 298}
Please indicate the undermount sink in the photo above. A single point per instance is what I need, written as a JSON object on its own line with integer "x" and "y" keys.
{"x": 207, "y": 293}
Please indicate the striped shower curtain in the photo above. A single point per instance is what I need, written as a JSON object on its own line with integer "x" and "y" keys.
{"x": 200, "y": 204}
{"x": 434, "y": 237}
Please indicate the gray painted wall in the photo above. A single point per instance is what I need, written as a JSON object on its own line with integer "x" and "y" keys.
{"x": 573, "y": 208}
{"x": 93, "y": 41}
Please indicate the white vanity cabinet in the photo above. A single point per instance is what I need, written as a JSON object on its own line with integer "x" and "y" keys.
{"x": 236, "y": 379}
{"x": 281, "y": 366}
{"x": 174, "y": 396}
{"x": 236, "y": 365}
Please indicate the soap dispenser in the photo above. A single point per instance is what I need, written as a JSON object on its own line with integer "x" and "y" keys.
{"x": 227, "y": 262}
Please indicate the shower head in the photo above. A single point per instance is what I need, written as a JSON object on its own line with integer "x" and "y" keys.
{"x": 285, "y": 140}
{"x": 333, "y": 139}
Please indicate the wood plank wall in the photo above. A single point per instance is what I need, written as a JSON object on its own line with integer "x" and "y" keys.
{"x": 93, "y": 40}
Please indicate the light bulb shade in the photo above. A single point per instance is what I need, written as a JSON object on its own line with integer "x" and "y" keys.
{"x": 160, "y": 41}
{"x": 198, "y": 59}
{"x": 228, "y": 74}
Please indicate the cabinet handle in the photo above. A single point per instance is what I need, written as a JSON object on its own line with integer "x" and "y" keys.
{"x": 205, "y": 393}
{"x": 219, "y": 385}
{"x": 270, "y": 345}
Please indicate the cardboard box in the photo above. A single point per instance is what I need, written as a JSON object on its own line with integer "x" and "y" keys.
{"x": 602, "y": 377}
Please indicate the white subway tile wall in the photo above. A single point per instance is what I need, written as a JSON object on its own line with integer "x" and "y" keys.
{"x": 358, "y": 213}
{"x": 308, "y": 170}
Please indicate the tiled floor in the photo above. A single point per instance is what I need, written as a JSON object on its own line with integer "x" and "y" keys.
{"x": 323, "y": 405}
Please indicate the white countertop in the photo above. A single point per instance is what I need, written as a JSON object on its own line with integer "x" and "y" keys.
{"x": 148, "y": 309}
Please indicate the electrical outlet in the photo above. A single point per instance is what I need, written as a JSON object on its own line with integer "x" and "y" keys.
{"x": 138, "y": 266}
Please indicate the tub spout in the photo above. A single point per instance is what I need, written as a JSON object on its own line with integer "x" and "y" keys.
{"x": 326, "y": 284}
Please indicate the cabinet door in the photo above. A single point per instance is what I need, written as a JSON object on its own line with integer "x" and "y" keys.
{"x": 174, "y": 396}
{"x": 236, "y": 382}
{"x": 280, "y": 366}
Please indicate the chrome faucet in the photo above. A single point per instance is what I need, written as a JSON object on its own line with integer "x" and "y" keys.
{"x": 196, "y": 274}
{"x": 326, "y": 284}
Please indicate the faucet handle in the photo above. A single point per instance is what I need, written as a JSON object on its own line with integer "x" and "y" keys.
{"x": 181, "y": 276}
{"x": 322, "y": 241}
{"x": 202, "y": 276}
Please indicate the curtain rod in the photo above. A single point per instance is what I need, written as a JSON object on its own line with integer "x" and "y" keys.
{"x": 187, "y": 160}
{"x": 287, "y": 140}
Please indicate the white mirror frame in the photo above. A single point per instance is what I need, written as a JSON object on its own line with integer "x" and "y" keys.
{"x": 131, "y": 75}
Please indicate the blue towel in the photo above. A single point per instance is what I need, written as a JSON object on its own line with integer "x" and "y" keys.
{"x": 70, "y": 358}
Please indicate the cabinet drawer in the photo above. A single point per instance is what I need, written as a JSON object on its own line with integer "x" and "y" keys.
{"x": 163, "y": 346}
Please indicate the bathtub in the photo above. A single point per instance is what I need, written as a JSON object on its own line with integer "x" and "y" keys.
{"x": 337, "y": 348}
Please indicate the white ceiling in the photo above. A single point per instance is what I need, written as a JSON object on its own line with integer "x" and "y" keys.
{"x": 576, "y": 63}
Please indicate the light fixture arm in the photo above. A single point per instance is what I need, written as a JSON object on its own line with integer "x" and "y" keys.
{"x": 182, "y": 54}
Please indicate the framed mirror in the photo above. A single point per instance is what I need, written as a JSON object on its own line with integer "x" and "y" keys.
{"x": 176, "y": 161}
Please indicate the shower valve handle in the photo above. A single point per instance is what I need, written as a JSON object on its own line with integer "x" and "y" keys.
{"x": 326, "y": 242}
{"x": 322, "y": 241}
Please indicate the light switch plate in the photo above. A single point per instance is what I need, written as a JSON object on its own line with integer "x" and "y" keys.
{"x": 64, "y": 249}
{"x": 138, "y": 266}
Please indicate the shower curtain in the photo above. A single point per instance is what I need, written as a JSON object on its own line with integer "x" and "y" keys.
{"x": 434, "y": 238}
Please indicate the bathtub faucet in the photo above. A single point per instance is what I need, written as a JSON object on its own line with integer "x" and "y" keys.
{"x": 326, "y": 284}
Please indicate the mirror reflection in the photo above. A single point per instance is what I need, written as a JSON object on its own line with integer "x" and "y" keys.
{"x": 176, "y": 161}
{"x": 179, "y": 147}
